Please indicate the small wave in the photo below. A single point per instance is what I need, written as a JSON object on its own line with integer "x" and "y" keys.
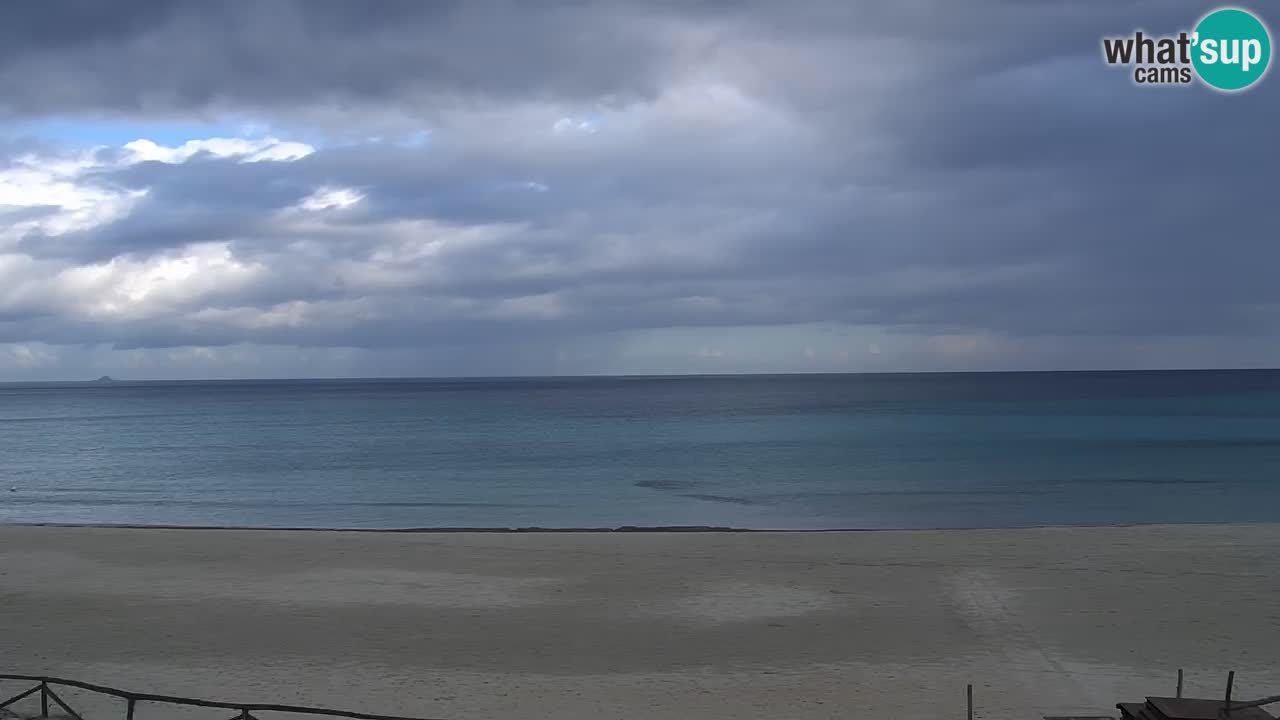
{"x": 732, "y": 500}
{"x": 854, "y": 493}
{"x": 431, "y": 504}
{"x": 254, "y": 504}
{"x": 1188, "y": 443}
{"x": 89, "y": 418}
{"x": 1141, "y": 481}
{"x": 664, "y": 484}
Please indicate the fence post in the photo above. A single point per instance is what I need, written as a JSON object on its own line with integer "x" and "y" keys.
{"x": 44, "y": 699}
{"x": 968, "y": 691}
{"x": 129, "y": 712}
{"x": 1231, "y": 680}
{"x": 1179, "y": 682}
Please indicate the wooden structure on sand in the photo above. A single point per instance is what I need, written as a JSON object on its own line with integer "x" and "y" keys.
{"x": 1178, "y": 707}
{"x": 1164, "y": 708}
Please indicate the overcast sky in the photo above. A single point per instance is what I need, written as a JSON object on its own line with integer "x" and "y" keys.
{"x": 312, "y": 188}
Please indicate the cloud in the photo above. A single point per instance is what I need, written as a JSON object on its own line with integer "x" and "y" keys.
{"x": 265, "y": 149}
{"x": 167, "y": 57}
{"x": 488, "y": 185}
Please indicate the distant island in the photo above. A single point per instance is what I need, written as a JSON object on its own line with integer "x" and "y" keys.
{"x": 104, "y": 379}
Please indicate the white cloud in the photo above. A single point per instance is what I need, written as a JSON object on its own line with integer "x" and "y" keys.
{"x": 134, "y": 289}
{"x": 327, "y": 198}
{"x": 568, "y": 125}
{"x": 54, "y": 195}
{"x": 52, "y": 187}
{"x": 247, "y": 150}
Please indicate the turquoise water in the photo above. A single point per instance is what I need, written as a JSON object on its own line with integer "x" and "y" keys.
{"x": 864, "y": 451}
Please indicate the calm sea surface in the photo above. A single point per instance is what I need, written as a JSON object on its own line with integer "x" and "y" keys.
{"x": 864, "y": 451}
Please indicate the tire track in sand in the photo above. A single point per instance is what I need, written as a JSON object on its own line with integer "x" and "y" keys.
{"x": 992, "y": 610}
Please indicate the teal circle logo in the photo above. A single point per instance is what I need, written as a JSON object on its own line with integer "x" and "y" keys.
{"x": 1232, "y": 49}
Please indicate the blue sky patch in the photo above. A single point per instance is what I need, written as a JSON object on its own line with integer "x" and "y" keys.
{"x": 90, "y": 133}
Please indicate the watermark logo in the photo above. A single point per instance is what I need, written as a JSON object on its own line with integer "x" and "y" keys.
{"x": 1229, "y": 50}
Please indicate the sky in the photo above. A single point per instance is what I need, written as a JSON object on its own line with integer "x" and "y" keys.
{"x": 312, "y": 188}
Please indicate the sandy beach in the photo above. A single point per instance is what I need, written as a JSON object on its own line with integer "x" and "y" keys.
{"x": 647, "y": 625}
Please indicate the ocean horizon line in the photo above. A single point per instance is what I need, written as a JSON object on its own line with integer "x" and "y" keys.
{"x": 109, "y": 380}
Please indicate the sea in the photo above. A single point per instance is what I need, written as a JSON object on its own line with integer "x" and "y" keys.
{"x": 765, "y": 452}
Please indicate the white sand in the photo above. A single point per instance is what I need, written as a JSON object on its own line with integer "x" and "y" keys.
{"x": 566, "y": 626}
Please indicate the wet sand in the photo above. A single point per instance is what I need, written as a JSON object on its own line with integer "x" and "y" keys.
{"x": 647, "y": 625}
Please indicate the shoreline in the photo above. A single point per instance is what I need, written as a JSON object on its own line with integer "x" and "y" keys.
{"x": 626, "y": 529}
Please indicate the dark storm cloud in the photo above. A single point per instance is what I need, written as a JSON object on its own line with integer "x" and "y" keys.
{"x": 922, "y": 167}
{"x": 71, "y": 56}
{"x": 163, "y": 55}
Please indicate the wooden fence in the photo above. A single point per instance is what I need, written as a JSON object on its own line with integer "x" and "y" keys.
{"x": 244, "y": 711}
